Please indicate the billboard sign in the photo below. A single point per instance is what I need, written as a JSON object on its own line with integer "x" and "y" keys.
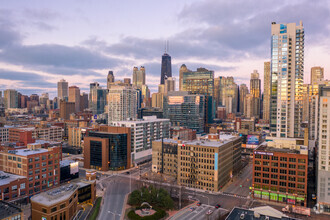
{"x": 252, "y": 140}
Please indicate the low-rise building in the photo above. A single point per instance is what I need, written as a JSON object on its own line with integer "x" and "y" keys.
{"x": 58, "y": 203}
{"x": 69, "y": 170}
{"x": 143, "y": 132}
{"x": 12, "y": 186}
{"x": 280, "y": 171}
{"x": 44, "y": 132}
{"x": 185, "y": 134}
{"x": 41, "y": 166}
{"x": 10, "y": 212}
{"x": 4, "y": 135}
{"x": 206, "y": 164}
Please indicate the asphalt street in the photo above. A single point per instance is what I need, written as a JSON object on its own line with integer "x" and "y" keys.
{"x": 116, "y": 188}
{"x": 241, "y": 182}
{"x": 199, "y": 212}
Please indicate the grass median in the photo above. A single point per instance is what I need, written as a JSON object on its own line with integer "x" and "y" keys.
{"x": 96, "y": 209}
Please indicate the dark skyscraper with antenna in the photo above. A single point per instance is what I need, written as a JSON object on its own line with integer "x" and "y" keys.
{"x": 166, "y": 70}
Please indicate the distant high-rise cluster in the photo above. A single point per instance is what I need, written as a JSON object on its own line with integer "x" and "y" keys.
{"x": 201, "y": 135}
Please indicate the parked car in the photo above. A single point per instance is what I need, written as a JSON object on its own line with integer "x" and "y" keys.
{"x": 217, "y": 206}
{"x": 209, "y": 212}
{"x": 199, "y": 204}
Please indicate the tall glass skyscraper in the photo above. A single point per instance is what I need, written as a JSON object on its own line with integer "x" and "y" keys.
{"x": 166, "y": 70}
{"x": 287, "y": 72}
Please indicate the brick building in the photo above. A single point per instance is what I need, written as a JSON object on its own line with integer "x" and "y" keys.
{"x": 12, "y": 186}
{"x": 280, "y": 174}
{"x": 40, "y": 166}
{"x": 59, "y": 203}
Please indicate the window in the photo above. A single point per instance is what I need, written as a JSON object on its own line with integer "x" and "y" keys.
{"x": 22, "y": 186}
{"x": 274, "y": 170}
{"x": 257, "y": 156}
{"x": 44, "y": 210}
{"x": 283, "y": 171}
{"x": 273, "y": 182}
{"x": 53, "y": 209}
{"x": 283, "y": 159}
{"x": 301, "y": 161}
{"x": 257, "y": 180}
{"x": 62, "y": 206}
{"x": 292, "y": 160}
{"x": 273, "y": 176}
{"x": 30, "y": 160}
{"x": 292, "y": 178}
{"x": 301, "y": 167}
{"x": 265, "y": 169}
{"x": 292, "y": 185}
{"x": 292, "y": 172}
{"x": 282, "y": 183}
{"x": 283, "y": 165}
{"x": 282, "y": 177}
{"x": 265, "y": 181}
{"x": 19, "y": 159}
{"x": 292, "y": 166}
{"x": 274, "y": 158}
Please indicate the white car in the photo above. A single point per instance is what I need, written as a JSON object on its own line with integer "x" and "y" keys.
{"x": 209, "y": 212}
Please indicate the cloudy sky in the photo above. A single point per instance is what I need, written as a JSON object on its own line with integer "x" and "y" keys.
{"x": 42, "y": 42}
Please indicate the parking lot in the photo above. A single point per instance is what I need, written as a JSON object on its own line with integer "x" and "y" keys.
{"x": 199, "y": 212}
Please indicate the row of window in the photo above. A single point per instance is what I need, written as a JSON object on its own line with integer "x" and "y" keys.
{"x": 267, "y": 157}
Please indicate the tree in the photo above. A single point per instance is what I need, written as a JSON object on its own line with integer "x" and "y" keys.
{"x": 145, "y": 197}
{"x": 135, "y": 198}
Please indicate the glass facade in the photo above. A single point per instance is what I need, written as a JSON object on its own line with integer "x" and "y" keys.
{"x": 117, "y": 158}
{"x": 287, "y": 66}
{"x": 96, "y": 154}
{"x": 185, "y": 110}
{"x": 166, "y": 70}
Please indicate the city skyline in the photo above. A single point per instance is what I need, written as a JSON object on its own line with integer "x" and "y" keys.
{"x": 43, "y": 43}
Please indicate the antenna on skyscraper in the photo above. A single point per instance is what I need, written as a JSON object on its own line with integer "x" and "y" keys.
{"x": 168, "y": 45}
{"x": 165, "y": 45}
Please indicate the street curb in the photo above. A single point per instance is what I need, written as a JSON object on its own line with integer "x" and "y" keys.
{"x": 124, "y": 207}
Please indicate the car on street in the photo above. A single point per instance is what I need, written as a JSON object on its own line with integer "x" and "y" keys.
{"x": 217, "y": 206}
{"x": 199, "y": 204}
{"x": 192, "y": 208}
{"x": 209, "y": 212}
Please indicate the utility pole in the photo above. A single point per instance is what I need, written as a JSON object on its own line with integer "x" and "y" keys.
{"x": 180, "y": 198}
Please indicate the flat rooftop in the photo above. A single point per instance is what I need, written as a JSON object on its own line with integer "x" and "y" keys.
{"x": 265, "y": 148}
{"x": 224, "y": 139}
{"x": 6, "y": 178}
{"x": 246, "y": 214}
{"x": 7, "y": 210}
{"x": 27, "y": 152}
{"x": 55, "y": 196}
{"x": 145, "y": 119}
{"x": 64, "y": 163}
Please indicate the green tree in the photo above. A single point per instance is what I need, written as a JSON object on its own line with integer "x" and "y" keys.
{"x": 135, "y": 198}
{"x": 146, "y": 197}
